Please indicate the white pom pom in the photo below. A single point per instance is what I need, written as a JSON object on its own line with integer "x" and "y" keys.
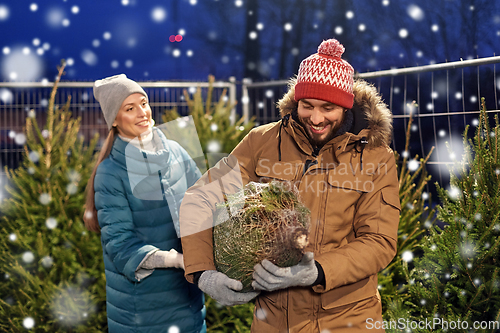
{"x": 332, "y": 48}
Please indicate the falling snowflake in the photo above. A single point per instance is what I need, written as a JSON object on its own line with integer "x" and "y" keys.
{"x": 47, "y": 261}
{"x": 158, "y": 14}
{"x": 407, "y": 256}
{"x": 72, "y": 306}
{"x": 349, "y": 14}
{"x": 34, "y": 156}
{"x": 71, "y": 188}
{"x": 213, "y": 127}
{"x": 269, "y": 93}
{"x": 261, "y": 314}
{"x": 88, "y": 214}
{"x": 45, "y": 198}
{"x": 413, "y": 165}
{"x": 51, "y": 223}
{"x": 28, "y": 323}
{"x": 214, "y": 146}
{"x": 467, "y": 249}
{"x": 20, "y": 139}
{"x": 403, "y": 33}
{"x": 288, "y": 26}
{"x": 89, "y": 57}
{"x": 6, "y": 96}
{"x": 12, "y": 237}
{"x": 174, "y": 329}
{"x": 454, "y": 192}
{"x": 415, "y": 12}
{"x": 28, "y": 257}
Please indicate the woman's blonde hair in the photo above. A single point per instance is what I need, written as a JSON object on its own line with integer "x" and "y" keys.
{"x": 90, "y": 214}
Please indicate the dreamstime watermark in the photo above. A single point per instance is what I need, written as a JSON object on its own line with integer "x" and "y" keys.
{"x": 430, "y": 324}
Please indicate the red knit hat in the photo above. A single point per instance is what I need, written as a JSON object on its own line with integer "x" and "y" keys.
{"x": 326, "y": 76}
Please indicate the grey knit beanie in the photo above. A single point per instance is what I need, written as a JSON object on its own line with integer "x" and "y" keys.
{"x": 110, "y": 92}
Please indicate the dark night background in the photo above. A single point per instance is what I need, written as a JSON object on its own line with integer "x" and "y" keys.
{"x": 259, "y": 39}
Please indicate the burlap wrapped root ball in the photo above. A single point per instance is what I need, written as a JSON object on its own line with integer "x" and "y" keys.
{"x": 263, "y": 221}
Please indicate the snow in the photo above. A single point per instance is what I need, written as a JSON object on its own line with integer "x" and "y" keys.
{"x": 4, "y": 13}
{"x": 413, "y": 165}
{"x": 28, "y": 257}
{"x": 6, "y": 96}
{"x": 407, "y": 256}
{"x": 158, "y": 14}
{"x": 34, "y": 156}
{"x": 28, "y": 323}
{"x": 44, "y": 198}
{"x": 415, "y": 12}
{"x": 47, "y": 261}
{"x": 89, "y": 57}
{"x": 403, "y": 33}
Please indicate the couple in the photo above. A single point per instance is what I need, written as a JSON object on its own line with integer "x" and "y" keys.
{"x": 155, "y": 280}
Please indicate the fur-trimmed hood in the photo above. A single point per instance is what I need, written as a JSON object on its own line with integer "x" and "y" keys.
{"x": 369, "y": 112}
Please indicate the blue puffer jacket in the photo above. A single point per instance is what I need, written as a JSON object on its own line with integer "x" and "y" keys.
{"x": 137, "y": 196}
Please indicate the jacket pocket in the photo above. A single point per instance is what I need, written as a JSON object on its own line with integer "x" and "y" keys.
{"x": 391, "y": 198}
{"x": 343, "y": 192}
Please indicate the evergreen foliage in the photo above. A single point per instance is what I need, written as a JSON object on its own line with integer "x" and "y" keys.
{"x": 266, "y": 221}
{"x": 415, "y": 220}
{"x": 217, "y": 130}
{"x": 52, "y": 274}
{"x": 456, "y": 280}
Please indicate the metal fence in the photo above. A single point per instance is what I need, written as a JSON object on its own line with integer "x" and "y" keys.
{"x": 443, "y": 99}
{"x": 19, "y": 100}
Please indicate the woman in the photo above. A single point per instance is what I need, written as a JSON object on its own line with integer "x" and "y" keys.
{"x": 133, "y": 196}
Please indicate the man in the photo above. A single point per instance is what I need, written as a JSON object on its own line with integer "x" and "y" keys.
{"x": 333, "y": 144}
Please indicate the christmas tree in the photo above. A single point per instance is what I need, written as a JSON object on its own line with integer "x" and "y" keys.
{"x": 267, "y": 222}
{"x": 456, "y": 283}
{"x": 218, "y": 130}
{"x": 415, "y": 220}
{"x": 52, "y": 274}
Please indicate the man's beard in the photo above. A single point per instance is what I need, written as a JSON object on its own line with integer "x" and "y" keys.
{"x": 316, "y": 142}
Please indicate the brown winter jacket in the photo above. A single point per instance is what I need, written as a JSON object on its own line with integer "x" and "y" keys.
{"x": 351, "y": 190}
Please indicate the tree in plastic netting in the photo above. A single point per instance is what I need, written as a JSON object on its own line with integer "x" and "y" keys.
{"x": 262, "y": 221}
